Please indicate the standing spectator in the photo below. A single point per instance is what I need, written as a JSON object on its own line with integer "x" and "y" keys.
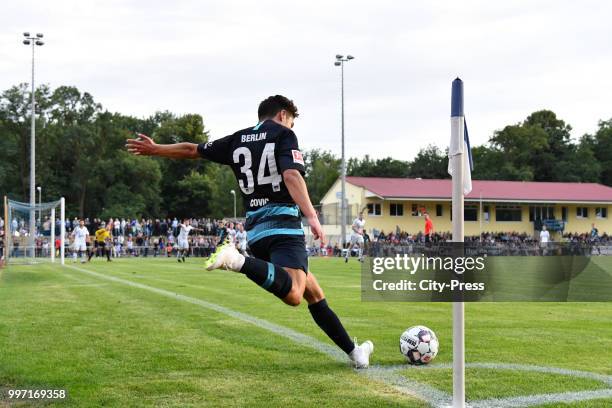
{"x": 130, "y": 246}
{"x": 175, "y": 224}
{"x": 47, "y": 227}
{"x": 2, "y": 247}
{"x": 139, "y": 244}
{"x": 163, "y": 228}
{"x": 544, "y": 239}
{"x": 544, "y": 236}
{"x": 116, "y": 227}
{"x": 429, "y": 228}
{"x": 58, "y": 245}
{"x": 594, "y": 233}
{"x": 145, "y": 245}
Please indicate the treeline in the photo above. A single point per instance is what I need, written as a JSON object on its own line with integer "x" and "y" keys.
{"x": 81, "y": 156}
{"x": 537, "y": 149}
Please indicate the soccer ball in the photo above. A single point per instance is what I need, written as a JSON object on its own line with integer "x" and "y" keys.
{"x": 419, "y": 345}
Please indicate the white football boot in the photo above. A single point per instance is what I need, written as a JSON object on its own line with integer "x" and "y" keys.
{"x": 360, "y": 356}
{"x": 225, "y": 257}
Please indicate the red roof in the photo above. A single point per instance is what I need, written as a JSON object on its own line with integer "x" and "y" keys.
{"x": 490, "y": 189}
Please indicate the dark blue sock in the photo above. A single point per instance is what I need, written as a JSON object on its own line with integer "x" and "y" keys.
{"x": 331, "y": 325}
{"x": 271, "y": 277}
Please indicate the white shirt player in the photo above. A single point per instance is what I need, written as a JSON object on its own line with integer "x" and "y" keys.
{"x": 241, "y": 240}
{"x": 183, "y": 234}
{"x": 358, "y": 228}
{"x": 544, "y": 236}
{"x": 80, "y": 238}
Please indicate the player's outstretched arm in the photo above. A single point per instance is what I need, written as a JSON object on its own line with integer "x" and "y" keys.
{"x": 299, "y": 192}
{"x": 143, "y": 145}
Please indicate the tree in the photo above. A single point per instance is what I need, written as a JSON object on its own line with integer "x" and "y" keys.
{"x": 387, "y": 167}
{"x": 322, "y": 170}
{"x": 601, "y": 146}
{"x": 430, "y": 162}
{"x": 519, "y": 145}
{"x": 186, "y": 128}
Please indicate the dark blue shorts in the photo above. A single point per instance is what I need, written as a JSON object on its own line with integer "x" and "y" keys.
{"x": 283, "y": 250}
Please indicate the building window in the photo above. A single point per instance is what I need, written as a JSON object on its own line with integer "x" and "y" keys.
{"x": 438, "y": 210}
{"x": 470, "y": 213}
{"x": 564, "y": 213}
{"x": 508, "y": 213}
{"x": 418, "y": 210}
{"x": 582, "y": 212}
{"x": 601, "y": 212}
{"x": 396, "y": 210}
{"x": 538, "y": 213}
{"x": 374, "y": 209}
{"x": 486, "y": 214}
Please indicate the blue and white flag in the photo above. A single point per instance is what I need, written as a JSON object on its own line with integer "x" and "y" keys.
{"x": 460, "y": 141}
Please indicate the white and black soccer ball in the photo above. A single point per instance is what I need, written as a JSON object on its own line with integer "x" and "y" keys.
{"x": 419, "y": 345}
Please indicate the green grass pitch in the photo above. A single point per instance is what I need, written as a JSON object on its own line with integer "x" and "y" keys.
{"x": 110, "y": 344}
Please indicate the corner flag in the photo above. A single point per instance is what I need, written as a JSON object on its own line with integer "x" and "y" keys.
{"x": 460, "y": 168}
{"x": 460, "y": 141}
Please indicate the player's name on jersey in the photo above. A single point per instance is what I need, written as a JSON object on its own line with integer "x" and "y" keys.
{"x": 259, "y": 202}
{"x": 255, "y": 137}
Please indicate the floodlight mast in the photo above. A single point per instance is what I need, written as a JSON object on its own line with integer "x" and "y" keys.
{"x": 340, "y": 60}
{"x": 33, "y": 41}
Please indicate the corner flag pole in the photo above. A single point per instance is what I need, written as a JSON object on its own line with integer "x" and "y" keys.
{"x": 456, "y": 165}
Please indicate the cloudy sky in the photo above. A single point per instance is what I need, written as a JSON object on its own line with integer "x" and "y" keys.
{"x": 220, "y": 58}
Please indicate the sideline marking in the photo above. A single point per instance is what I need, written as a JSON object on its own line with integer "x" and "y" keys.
{"x": 389, "y": 374}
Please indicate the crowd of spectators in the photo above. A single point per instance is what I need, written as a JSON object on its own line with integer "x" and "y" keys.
{"x": 401, "y": 239}
{"x": 130, "y": 237}
{"x": 157, "y": 237}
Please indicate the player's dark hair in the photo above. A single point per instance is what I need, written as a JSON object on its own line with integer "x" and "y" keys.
{"x": 270, "y": 106}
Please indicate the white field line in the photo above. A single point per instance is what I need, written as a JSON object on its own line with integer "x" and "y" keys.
{"x": 540, "y": 399}
{"x": 417, "y": 390}
{"x": 390, "y": 374}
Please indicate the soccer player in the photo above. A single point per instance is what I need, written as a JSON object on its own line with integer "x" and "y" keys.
{"x": 269, "y": 168}
{"x": 241, "y": 239}
{"x": 81, "y": 238}
{"x": 357, "y": 237}
{"x": 102, "y": 242}
{"x": 183, "y": 239}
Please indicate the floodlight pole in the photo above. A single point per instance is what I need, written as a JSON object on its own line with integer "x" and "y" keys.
{"x": 233, "y": 192}
{"x": 34, "y": 41}
{"x": 340, "y": 60}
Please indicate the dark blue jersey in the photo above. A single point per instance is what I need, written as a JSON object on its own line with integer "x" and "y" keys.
{"x": 258, "y": 156}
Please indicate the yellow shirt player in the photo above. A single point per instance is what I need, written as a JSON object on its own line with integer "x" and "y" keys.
{"x": 102, "y": 235}
{"x": 102, "y": 243}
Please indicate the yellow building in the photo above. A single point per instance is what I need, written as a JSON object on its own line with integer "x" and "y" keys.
{"x": 492, "y": 206}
